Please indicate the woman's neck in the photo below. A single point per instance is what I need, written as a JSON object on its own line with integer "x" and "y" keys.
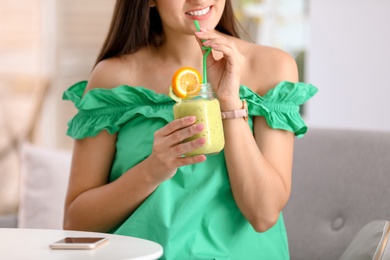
{"x": 182, "y": 50}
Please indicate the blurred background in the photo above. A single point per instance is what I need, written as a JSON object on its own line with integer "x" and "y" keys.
{"x": 46, "y": 45}
{"x": 341, "y": 46}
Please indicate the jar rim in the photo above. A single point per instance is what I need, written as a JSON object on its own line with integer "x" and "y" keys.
{"x": 205, "y": 91}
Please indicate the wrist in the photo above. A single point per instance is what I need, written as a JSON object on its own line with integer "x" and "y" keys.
{"x": 230, "y": 104}
{"x": 149, "y": 173}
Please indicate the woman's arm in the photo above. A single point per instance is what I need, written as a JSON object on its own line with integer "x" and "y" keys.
{"x": 259, "y": 164}
{"x": 259, "y": 170}
{"x": 91, "y": 202}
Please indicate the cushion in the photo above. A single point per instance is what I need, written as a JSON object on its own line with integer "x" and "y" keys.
{"x": 44, "y": 178}
{"x": 372, "y": 242}
{"x": 9, "y": 182}
{"x": 9, "y": 161}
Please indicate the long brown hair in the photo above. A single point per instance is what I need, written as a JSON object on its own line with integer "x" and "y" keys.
{"x": 135, "y": 25}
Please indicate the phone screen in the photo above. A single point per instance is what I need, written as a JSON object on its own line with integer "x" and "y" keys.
{"x": 80, "y": 240}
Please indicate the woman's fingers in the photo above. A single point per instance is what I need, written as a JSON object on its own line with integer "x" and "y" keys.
{"x": 179, "y": 130}
{"x": 200, "y": 42}
{"x": 208, "y": 38}
{"x": 191, "y": 160}
{"x": 182, "y": 148}
{"x": 168, "y": 147}
{"x": 225, "y": 72}
{"x": 176, "y": 125}
{"x": 169, "y": 139}
{"x": 221, "y": 44}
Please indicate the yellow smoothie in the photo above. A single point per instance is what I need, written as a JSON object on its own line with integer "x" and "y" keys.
{"x": 208, "y": 113}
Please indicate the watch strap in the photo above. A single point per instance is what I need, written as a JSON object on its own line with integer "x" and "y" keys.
{"x": 237, "y": 113}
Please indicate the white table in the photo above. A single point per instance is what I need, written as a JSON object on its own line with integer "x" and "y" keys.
{"x": 21, "y": 244}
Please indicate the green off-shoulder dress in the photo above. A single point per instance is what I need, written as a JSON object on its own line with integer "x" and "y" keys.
{"x": 193, "y": 215}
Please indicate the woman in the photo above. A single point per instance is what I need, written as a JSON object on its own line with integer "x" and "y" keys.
{"x": 128, "y": 176}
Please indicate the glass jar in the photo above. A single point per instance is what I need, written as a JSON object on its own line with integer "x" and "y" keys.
{"x": 205, "y": 107}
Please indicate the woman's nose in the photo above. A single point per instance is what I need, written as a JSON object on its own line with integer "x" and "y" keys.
{"x": 197, "y": 2}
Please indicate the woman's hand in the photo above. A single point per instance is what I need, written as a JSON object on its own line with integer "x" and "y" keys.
{"x": 223, "y": 74}
{"x": 168, "y": 148}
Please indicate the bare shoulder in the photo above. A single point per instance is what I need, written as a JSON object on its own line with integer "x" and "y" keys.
{"x": 110, "y": 73}
{"x": 104, "y": 74}
{"x": 266, "y": 66}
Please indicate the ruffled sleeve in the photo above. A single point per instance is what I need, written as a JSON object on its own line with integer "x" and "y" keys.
{"x": 280, "y": 105}
{"x": 109, "y": 109}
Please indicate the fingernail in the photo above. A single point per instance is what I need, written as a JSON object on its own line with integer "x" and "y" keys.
{"x": 200, "y": 127}
{"x": 191, "y": 119}
{"x": 206, "y": 42}
{"x": 199, "y": 33}
{"x": 202, "y": 140}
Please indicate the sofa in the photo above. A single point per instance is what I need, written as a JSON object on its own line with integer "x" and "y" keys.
{"x": 340, "y": 186}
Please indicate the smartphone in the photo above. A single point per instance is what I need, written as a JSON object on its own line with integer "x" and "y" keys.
{"x": 79, "y": 243}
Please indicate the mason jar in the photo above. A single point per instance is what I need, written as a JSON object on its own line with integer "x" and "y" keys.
{"x": 205, "y": 107}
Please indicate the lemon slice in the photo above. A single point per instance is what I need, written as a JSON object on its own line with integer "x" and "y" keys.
{"x": 186, "y": 81}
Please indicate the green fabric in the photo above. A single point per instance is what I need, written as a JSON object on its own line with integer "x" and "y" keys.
{"x": 193, "y": 215}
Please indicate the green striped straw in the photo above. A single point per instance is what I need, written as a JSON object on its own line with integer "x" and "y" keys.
{"x": 208, "y": 50}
